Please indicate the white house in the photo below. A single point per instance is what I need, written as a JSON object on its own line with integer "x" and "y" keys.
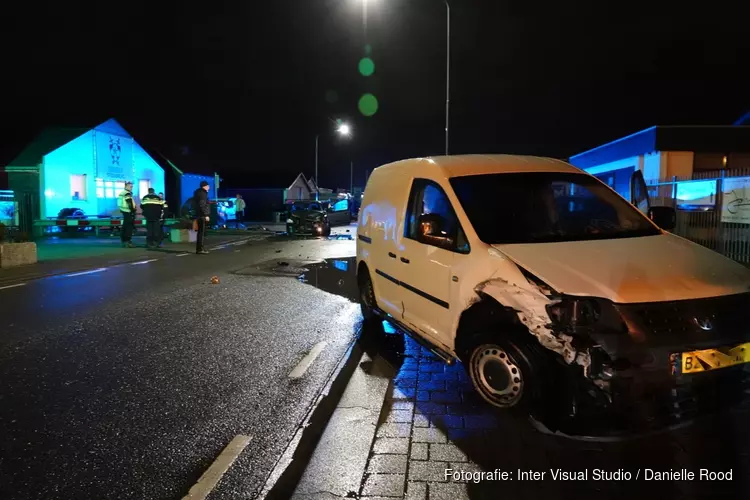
{"x": 84, "y": 169}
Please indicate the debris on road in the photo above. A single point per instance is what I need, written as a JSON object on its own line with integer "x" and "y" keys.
{"x": 214, "y": 280}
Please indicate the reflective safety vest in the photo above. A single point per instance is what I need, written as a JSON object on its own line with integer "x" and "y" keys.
{"x": 152, "y": 207}
{"x": 125, "y": 202}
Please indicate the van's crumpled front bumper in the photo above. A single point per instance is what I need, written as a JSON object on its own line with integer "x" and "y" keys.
{"x": 635, "y": 377}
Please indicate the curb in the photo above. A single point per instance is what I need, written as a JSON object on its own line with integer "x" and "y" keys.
{"x": 285, "y": 476}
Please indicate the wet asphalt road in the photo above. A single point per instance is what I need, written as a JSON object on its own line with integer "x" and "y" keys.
{"x": 127, "y": 383}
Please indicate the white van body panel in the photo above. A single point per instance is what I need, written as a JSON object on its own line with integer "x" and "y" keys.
{"x": 631, "y": 270}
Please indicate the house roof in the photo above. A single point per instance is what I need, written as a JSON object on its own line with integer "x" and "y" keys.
{"x": 53, "y": 138}
{"x": 699, "y": 139}
{"x": 46, "y": 142}
{"x": 269, "y": 180}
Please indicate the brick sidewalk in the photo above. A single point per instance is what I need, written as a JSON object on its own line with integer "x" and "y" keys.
{"x": 434, "y": 421}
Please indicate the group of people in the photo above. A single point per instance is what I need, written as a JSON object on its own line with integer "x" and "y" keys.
{"x": 154, "y": 209}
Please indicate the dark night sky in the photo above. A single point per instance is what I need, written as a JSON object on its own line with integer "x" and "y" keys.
{"x": 244, "y": 83}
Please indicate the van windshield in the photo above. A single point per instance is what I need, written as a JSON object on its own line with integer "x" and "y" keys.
{"x": 546, "y": 207}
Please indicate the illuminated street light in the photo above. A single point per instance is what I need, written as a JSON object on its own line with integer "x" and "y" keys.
{"x": 343, "y": 130}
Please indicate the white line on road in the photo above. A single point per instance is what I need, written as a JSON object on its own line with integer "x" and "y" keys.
{"x": 143, "y": 262}
{"x": 182, "y": 255}
{"x": 303, "y": 365}
{"x": 85, "y": 272}
{"x": 213, "y": 474}
{"x": 11, "y": 286}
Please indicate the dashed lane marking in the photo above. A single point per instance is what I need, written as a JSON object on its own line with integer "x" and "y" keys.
{"x": 143, "y": 262}
{"x": 303, "y": 365}
{"x": 11, "y": 286}
{"x": 213, "y": 474}
{"x": 92, "y": 271}
{"x": 182, "y": 255}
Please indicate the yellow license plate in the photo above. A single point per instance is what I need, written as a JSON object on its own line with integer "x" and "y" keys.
{"x": 713, "y": 359}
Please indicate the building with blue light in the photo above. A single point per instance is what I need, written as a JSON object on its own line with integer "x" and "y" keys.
{"x": 663, "y": 153}
{"x": 82, "y": 168}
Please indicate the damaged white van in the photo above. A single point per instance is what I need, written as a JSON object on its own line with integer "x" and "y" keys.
{"x": 559, "y": 296}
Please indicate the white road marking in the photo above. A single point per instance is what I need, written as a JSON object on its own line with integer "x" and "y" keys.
{"x": 213, "y": 474}
{"x": 143, "y": 262}
{"x": 85, "y": 272}
{"x": 11, "y": 286}
{"x": 303, "y": 365}
{"x": 182, "y": 255}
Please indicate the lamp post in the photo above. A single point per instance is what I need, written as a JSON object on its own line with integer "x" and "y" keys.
{"x": 343, "y": 130}
{"x": 447, "y": 64}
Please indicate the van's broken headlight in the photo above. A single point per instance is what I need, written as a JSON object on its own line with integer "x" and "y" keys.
{"x": 585, "y": 312}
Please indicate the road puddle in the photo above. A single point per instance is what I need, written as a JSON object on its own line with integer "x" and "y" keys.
{"x": 336, "y": 276}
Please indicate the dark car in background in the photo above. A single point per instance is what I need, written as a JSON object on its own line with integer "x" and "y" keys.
{"x": 317, "y": 217}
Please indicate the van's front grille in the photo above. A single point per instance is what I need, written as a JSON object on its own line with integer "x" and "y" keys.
{"x": 714, "y": 320}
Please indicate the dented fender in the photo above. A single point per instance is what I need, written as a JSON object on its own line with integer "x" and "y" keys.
{"x": 530, "y": 305}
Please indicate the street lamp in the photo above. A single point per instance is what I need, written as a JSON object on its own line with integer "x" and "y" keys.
{"x": 343, "y": 130}
{"x": 447, "y": 63}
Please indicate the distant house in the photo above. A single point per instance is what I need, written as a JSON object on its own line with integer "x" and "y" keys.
{"x": 183, "y": 177}
{"x": 82, "y": 168}
{"x": 267, "y": 193}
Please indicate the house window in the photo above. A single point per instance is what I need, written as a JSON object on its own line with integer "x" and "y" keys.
{"x": 143, "y": 186}
{"x": 78, "y": 187}
{"x": 109, "y": 189}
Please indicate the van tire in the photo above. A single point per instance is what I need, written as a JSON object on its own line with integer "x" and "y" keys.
{"x": 367, "y": 300}
{"x": 507, "y": 372}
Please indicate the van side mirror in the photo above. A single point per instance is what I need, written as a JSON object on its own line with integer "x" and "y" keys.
{"x": 431, "y": 230}
{"x": 664, "y": 217}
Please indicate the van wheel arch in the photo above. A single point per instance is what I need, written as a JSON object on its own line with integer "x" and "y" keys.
{"x": 483, "y": 315}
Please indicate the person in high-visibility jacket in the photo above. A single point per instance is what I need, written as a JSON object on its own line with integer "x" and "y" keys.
{"x": 127, "y": 208}
{"x": 152, "y": 207}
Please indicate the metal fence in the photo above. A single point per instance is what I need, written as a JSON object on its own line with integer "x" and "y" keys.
{"x": 704, "y": 225}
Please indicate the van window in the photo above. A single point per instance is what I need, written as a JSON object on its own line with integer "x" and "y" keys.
{"x": 546, "y": 207}
{"x": 431, "y": 218}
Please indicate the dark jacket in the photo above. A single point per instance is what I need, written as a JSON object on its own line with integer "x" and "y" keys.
{"x": 200, "y": 203}
{"x": 152, "y": 207}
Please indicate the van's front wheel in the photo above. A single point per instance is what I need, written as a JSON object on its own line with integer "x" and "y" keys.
{"x": 506, "y": 373}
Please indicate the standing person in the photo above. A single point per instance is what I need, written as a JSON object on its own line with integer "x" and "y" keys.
{"x": 152, "y": 207}
{"x": 164, "y": 209}
{"x": 239, "y": 209}
{"x": 127, "y": 208}
{"x": 202, "y": 215}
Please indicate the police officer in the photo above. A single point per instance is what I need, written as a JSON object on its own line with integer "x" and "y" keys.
{"x": 202, "y": 215}
{"x": 152, "y": 207}
{"x": 127, "y": 208}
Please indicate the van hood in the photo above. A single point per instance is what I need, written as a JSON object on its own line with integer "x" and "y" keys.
{"x": 632, "y": 270}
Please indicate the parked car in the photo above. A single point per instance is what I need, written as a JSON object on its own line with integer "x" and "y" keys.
{"x": 560, "y": 297}
{"x": 225, "y": 210}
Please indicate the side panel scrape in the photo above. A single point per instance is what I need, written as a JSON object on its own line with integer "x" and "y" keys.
{"x": 530, "y": 303}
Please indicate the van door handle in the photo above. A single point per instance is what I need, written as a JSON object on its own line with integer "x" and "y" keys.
{"x": 404, "y": 260}
{"x": 391, "y": 255}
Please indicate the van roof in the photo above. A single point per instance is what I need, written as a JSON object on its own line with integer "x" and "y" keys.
{"x": 460, "y": 165}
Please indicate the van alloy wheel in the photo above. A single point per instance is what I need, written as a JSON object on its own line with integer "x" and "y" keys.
{"x": 496, "y": 375}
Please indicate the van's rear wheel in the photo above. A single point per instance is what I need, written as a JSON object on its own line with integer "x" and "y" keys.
{"x": 367, "y": 296}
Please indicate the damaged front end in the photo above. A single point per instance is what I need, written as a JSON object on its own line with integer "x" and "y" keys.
{"x": 619, "y": 363}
